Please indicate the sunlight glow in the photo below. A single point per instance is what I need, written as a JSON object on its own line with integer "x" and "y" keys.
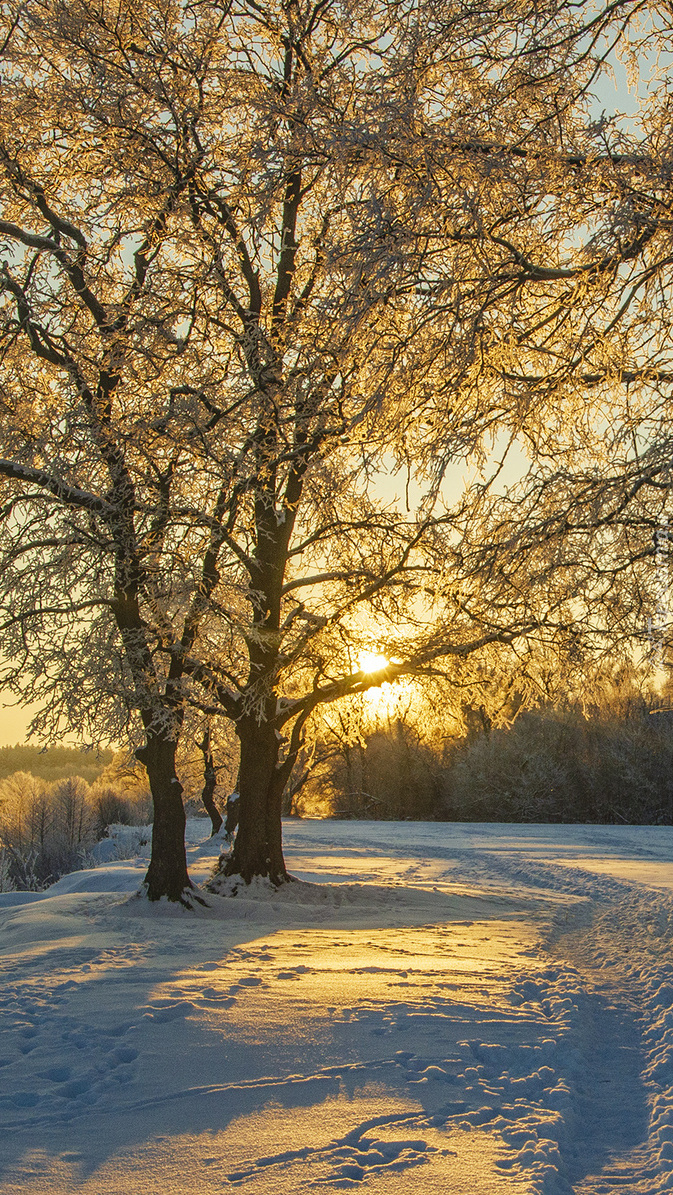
{"x": 382, "y": 700}
{"x": 369, "y": 661}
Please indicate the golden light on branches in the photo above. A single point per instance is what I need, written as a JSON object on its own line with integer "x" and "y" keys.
{"x": 265, "y": 253}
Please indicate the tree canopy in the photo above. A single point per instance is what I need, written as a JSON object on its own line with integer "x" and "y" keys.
{"x": 282, "y": 286}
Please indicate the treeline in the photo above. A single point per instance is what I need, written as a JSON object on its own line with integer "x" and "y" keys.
{"x": 567, "y": 766}
{"x": 611, "y": 764}
{"x": 53, "y": 763}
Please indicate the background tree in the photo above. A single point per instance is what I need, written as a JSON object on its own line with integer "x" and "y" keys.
{"x": 208, "y": 764}
{"x": 45, "y": 830}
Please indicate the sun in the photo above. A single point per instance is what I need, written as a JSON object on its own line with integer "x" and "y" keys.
{"x": 369, "y": 661}
{"x": 382, "y": 700}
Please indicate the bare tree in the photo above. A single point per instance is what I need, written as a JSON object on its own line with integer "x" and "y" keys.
{"x": 266, "y": 257}
{"x": 210, "y": 782}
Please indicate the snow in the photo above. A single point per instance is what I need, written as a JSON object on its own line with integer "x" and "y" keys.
{"x": 433, "y": 1008}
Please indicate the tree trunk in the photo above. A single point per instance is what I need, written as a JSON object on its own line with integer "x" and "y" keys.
{"x": 258, "y": 850}
{"x": 167, "y": 872}
{"x": 209, "y": 785}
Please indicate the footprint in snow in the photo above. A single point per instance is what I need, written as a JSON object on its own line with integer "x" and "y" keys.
{"x": 30, "y": 1036}
{"x": 216, "y": 996}
{"x": 371, "y": 1157}
{"x": 119, "y": 1030}
{"x": 25, "y": 1099}
{"x": 170, "y": 1012}
{"x": 123, "y": 1055}
{"x": 92, "y": 1084}
{"x": 432, "y": 1072}
{"x": 248, "y": 981}
{"x": 57, "y": 1074}
{"x": 76, "y": 1088}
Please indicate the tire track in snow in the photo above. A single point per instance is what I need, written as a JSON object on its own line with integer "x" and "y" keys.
{"x": 618, "y": 1124}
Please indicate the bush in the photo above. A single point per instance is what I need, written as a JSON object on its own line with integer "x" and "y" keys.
{"x": 109, "y": 807}
{"x": 553, "y": 766}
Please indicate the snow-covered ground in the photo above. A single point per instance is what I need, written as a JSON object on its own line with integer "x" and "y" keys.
{"x": 464, "y": 1009}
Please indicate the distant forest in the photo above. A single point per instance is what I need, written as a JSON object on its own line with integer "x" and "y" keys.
{"x": 53, "y": 763}
{"x": 607, "y": 758}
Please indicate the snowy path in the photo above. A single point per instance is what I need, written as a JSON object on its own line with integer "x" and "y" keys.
{"x": 440, "y": 1009}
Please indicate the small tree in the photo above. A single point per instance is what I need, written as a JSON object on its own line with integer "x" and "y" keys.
{"x": 26, "y": 821}
{"x": 110, "y": 807}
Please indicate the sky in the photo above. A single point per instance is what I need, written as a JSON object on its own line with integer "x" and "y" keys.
{"x": 14, "y": 724}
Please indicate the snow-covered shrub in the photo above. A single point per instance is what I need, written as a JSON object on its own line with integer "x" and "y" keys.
{"x": 7, "y": 884}
{"x": 566, "y": 766}
{"x": 110, "y": 807}
{"x": 122, "y": 842}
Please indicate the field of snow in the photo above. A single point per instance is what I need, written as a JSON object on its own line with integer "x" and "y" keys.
{"x": 464, "y": 1009}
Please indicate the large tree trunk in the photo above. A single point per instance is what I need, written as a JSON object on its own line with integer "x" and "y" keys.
{"x": 167, "y": 872}
{"x": 258, "y": 850}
